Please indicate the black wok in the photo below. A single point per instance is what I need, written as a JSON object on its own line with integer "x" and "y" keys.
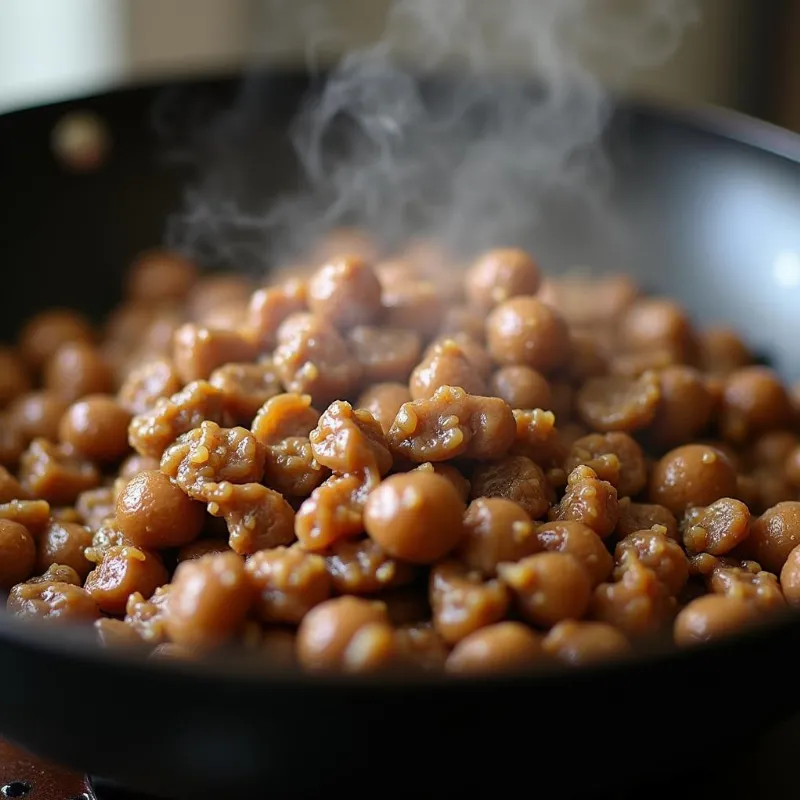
{"x": 714, "y": 202}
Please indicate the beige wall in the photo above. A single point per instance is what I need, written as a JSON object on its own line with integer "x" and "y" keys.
{"x": 55, "y": 48}
{"x": 184, "y": 35}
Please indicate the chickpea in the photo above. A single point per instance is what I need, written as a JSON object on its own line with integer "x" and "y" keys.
{"x": 152, "y": 511}
{"x": 503, "y": 647}
{"x": 416, "y": 516}
{"x": 208, "y": 602}
{"x": 712, "y": 617}
{"x": 327, "y": 637}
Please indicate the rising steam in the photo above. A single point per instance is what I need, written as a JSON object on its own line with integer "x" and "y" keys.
{"x": 483, "y": 159}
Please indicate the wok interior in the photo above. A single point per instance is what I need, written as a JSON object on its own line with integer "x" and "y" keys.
{"x": 706, "y": 219}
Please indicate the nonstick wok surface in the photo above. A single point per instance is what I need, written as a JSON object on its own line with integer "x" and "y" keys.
{"x": 712, "y": 200}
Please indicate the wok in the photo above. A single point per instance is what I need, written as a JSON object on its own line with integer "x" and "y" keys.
{"x": 713, "y": 199}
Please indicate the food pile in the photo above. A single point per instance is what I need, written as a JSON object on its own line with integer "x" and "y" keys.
{"x": 384, "y": 463}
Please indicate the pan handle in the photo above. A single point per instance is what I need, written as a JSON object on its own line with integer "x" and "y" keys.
{"x": 25, "y": 776}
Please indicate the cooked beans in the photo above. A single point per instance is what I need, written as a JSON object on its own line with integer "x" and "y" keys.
{"x": 367, "y": 465}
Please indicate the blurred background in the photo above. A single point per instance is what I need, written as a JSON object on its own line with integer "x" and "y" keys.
{"x": 741, "y": 53}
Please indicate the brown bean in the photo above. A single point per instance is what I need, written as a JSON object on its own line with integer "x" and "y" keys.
{"x": 97, "y": 428}
{"x": 198, "y": 351}
{"x": 46, "y": 332}
{"x": 10, "y": 488}
{"x": 153, "y": 512}
{"x": 590, "y": 501}
{"x": 580, "y": 643}
{"x": 345, "y": 292}
{"x": 202, "y": 547}
{"x": 54, "y": 473}
{"x": 790, "y": 577}
{"x": 496, "y": 530}
{"x": 146, "y": 616}
{"x": 639, "y": 604}
{"x": 14, "y": 379}
{"x": 362, "y": 567}
{"x": 446, "y": 364}
{"x": 122, "y": 571}
{"x": 655, "y": 551}
{"x": 217, "y": 290}
{"x": 348, "y": 440}
{"x": 160, "y": 276}
{"x": 245, "y": 388}
{"x": 580, "y": 542}
{"x": 538, "y": 438}
{"x": 415, "y": 305}
{"x": 722, "y": 350}
{"x": 515, "y": 478}
{"x": 288, "y": 583}
{"x": 713, "y": 617}
{"x": 257, "y": 517}
{"x": 691, "y": 475}
{"x": 753, "y": 401}
{"x": 76, "y": 370}
{"x": 416, "y": 517}
{"x": 615, "y": 457}
{"x": 716, "y": 528}
{"x": 12, "y": 441}
{"x": 548, "y": 587}
{"x": 450, "y": 424}
{"x": 462, "y": 601}
{"x": 684, "y": 408}
{"x": 208, "y": 601}
{"x": 526, "y": 331}
{"x": 385, "y": 354}
{"x": 333, "y": 511}
{"x": 521, "y": 387}
{"x": 64, "y": 543}
{"x": 655, "y": 323}
{"x": 505, "y": 647}
{"x": 36, "y": 415}
{"x": 33, "y": 514}
{"x": 328, "y": 636}
{"x": 152, "y": 431}
{"x": 17, "y": 553}
{"x": 774, "y": 535}
{"x": 615, "y": 403}
{"x": 383, "y": 401}
{"x": 499, "y": 275}
{"x": 589, "y": 300}
{"x": 147, "y": 383}
{"x": 420, "y": 647}
{"x": 643, "y": 516}
{"x": 211, "y": 455}
{"x": 115, "y": 633}
{"x": 312, "y": 358}
{"x": 270, "y": 306}
{"x": 52, "y": 601}
{"x": 749, "y": 582}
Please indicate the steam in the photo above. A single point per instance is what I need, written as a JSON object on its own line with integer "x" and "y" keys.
{"x": 470, "y": 121}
